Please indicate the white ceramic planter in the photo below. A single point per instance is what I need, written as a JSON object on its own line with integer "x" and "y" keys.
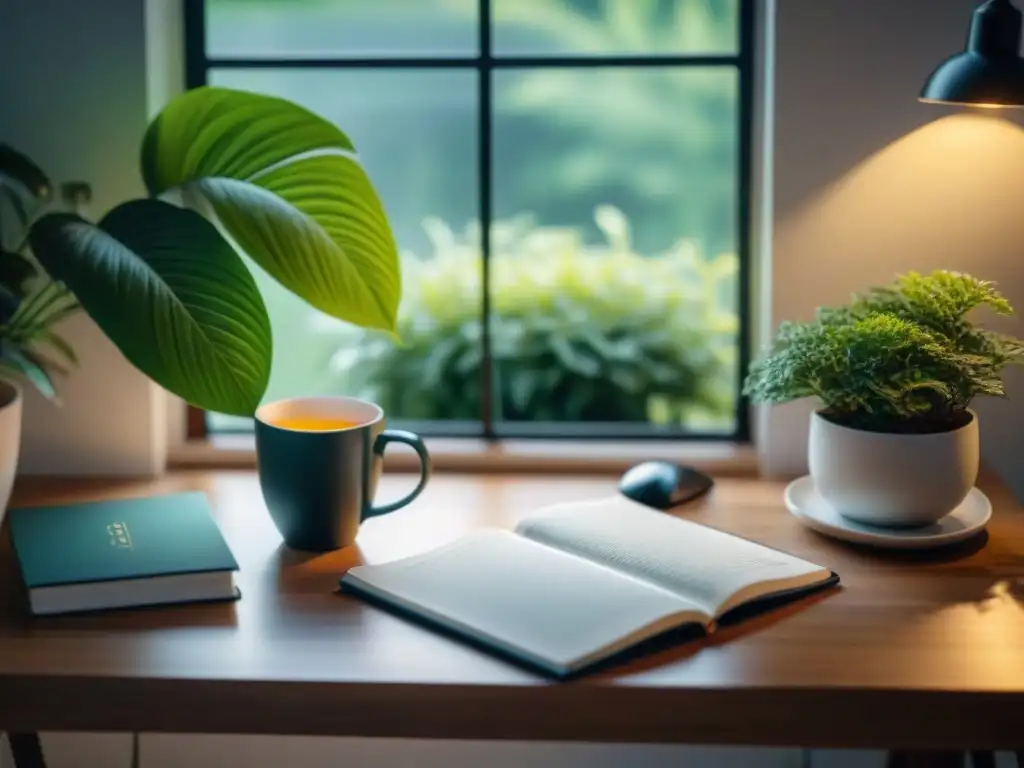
{"x": 10, "y": 440}
{"x": 890, "y": 479}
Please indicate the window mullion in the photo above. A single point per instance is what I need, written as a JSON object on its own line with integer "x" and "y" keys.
{"x": 485, "y": 109}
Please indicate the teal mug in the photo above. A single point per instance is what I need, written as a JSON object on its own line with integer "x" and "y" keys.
{"x": 320, "y": 459}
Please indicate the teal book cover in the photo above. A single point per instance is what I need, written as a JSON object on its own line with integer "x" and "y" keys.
{"x": 118, "y": 539}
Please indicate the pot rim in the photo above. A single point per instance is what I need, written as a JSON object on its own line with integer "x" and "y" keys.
{"x": 10, "y": 393}
{"x": 973, "y": 423}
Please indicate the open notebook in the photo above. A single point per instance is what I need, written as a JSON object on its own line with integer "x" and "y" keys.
{"x": 577, "y": 583}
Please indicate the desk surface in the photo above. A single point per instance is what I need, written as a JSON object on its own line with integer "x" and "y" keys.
{"x": 912, "y": 651}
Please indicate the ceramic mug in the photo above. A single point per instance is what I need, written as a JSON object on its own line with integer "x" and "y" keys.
{"x": 319, "y": 460}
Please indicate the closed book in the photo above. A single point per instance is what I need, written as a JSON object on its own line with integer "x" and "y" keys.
{"x": 123, "y": 553}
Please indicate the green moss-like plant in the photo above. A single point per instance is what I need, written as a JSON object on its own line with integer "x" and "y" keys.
{"x": 903, "y": 358}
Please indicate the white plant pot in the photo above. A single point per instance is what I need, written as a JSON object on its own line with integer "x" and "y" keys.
{"x": 10, "y": 440}
{"x": 893, "y": 480}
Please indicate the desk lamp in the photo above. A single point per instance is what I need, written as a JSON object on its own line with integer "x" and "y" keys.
{"x": 990, "y": 73}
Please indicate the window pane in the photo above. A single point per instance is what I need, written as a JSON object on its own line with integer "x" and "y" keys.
{"x": 350, "y": 28}
{"x": 416, "y": 133}
{"x": 615, "y": 27}
{"x": 614, "y": 284}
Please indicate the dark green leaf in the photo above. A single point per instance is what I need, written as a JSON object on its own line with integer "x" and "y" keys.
{"x": 16, "y": 166}
{"x": 15, "y": 270}
{"x": 171, "y": 294}
{"x": 9, "y": 303}
{"x": 13, "y": 196}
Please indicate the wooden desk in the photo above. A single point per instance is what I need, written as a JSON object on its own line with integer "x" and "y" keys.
{"x": 912, "y": 652}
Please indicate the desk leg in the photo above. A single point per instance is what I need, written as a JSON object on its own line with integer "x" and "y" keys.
{"x": 27, "y": 750}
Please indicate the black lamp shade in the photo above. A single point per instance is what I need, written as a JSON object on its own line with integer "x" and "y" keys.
{"x": 990, "y": 73}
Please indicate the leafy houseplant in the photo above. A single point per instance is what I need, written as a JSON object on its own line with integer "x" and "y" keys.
{"x": 228, "y": 173}
{"x": 580, "y": 332}
{"x": 30, "y": 306}
{"x": 896, "y": 371}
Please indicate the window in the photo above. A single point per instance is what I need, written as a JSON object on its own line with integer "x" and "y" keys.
{"x": 568, "y": 181}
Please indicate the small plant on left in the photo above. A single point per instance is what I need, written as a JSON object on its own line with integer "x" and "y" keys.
{"x": 31, "y": 305}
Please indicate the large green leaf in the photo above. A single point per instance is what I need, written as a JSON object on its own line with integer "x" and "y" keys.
{"x": 355, "y": 282}
{"x": 212, "y": 131}
{"x": 322, "y": 233}
{"x": 172, "y": 294}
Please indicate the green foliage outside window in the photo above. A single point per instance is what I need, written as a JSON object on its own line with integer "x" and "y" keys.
{"x": 580, "y": 333}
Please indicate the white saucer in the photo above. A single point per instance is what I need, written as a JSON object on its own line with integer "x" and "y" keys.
{"x": 962, "y": 523}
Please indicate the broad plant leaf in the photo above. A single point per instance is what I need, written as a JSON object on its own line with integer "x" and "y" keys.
{"x": 287, "y": 189}
{"x": 350, "y": 282}
{"x": 213, "y": 131}
{"x": 14, "y": 165}
{"x": 172, "y": 294}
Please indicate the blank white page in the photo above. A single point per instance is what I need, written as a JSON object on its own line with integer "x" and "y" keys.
{"x": 716, "y": 570}
{"x": 542, "y": 605}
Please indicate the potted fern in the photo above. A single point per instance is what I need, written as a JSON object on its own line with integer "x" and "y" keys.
{"x": 895, "y": 442}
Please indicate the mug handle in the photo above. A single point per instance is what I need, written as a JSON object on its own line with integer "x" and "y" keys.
{"x": 414, "y": 441}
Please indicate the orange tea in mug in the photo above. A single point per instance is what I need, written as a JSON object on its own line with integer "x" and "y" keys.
{"x": 313, "y": 423}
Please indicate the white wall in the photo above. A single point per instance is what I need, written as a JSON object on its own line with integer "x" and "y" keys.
{"x": 73, "y": 88}
{"x": 868, "y": 182}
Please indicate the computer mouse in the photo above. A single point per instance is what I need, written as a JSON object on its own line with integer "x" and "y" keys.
{"x": 661, "y": 484}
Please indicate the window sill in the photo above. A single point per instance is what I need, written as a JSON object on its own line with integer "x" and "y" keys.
{"x": 721, "y": 459}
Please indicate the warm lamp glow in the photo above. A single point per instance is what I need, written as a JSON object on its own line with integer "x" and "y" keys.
{"x": 948, "y": 189}
{"x": 972, "y": 104}
{"x": 989, "y": 627}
